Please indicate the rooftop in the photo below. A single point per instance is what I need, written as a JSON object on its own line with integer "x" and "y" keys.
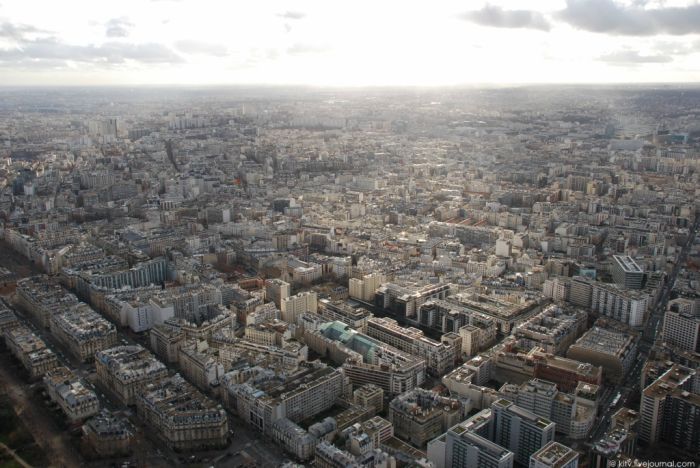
{"x": 555, "y": 455}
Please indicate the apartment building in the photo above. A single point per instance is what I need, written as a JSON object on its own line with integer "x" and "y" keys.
{"x": 573, "y": 414}
{"x": 30, "y": 350}
{"x": 329, "y": 456}
{"x": 520, "y": 430}
{"x": 108, "y": 435}
{"x": 294, "y": 439}
{"x": 199, "y": 363}
{"x": 421, "y": 415}
{"x": 75, "y": 400}
{"x": 313, "y": 389}
{"x": 554, "y": 329}
{"x": 126, "y": 370}
{"x": 354, "y": 316}
{"x": 628, "y": 306}
{"x": 293, "y": 307}
{"x": 682, "y": 324}
{"x": 42, "y": 298}
{"x": 470, "y": 443}
{"x": 276, "y": 290}
{"x": 165, "y": 341}
{"x": 439, "y": 358}
{"x": 83, "y": 331}
{"x": 405, "y": 301}
{"x": 364, "y": 288}
{"x": 8, "y": 319}
{"x": 369, "y": 395}
{"x": 182, "y": 416}
{"x": 669, "y": 409}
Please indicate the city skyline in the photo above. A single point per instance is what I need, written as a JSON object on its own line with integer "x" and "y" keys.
{"x": 363, "y": 44}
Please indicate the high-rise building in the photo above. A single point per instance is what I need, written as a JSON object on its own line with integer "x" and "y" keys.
{"x": 655, "y": 410}
{"x": 496, "y": 438}
{"x": 355, "y": 317}
{"x": 365, "y": 287}
{"x": 682, "y": 324}
{"x": 504, "y": 247}
{"x": 103, "y": 128}
{"x": 276, "y": 290}
{"x": 558, "y": 288}
{"x": 624, "y": 305}
{"x": 682, "y": 419}
{"x": 580, "y": 291}
{"x": 293, "y": 306}
{"x": 626, "y": 272}
{"x": 519, "y": 430}
{"x": 573, "y": 416}
{"x": 469, "y": 444}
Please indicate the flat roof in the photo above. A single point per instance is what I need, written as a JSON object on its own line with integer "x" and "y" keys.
{"x": 627, "y": 263}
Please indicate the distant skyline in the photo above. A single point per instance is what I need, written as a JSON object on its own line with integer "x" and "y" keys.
{"x": 359, "y": 43}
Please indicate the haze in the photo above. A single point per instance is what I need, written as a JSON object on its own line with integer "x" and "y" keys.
{"x": 355, "y": 43}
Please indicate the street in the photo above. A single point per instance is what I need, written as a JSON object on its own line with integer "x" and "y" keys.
{"x": 632, "y": 380}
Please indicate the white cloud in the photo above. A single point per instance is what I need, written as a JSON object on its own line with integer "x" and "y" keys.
{"x": 497, "y": 17}
{"x": 350, "y": 43}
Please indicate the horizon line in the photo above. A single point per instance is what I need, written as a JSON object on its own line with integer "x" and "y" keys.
{"x": 358, "y": 86}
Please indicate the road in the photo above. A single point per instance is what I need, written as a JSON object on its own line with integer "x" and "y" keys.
{"x": 145, "y": 448}
{"x": 266, "y": 452}
{"x": 632, "y": 380}
{"x": 54, "y": 441}
{"x": 148, "y": 448}
{"x": 19, "y": 460}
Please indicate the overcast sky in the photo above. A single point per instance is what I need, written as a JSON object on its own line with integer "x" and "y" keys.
{"x": 327, "y": 42}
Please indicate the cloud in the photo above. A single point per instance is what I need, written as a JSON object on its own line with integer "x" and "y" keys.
{"x": 50, "y": 49}
{"x": 18, "y": 32}
{"x": 302, "y": 49}
{"x": 611, "y": 17}
{"x": 632, "y": 57}
{"x": 677, "y": 48}
{"x": 292, "y": 15}
{"x": 201, "y": 48}
{"x": 118, "y": 27}
{"x": 497, "y": 17}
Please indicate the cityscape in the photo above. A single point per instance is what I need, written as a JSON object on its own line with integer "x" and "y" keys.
{"x": 292, "y": 274}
